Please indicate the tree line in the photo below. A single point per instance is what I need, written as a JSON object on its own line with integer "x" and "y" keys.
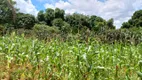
{"x": 50, "y": 21}
{"x": 57, "y": 17}
{"x": 11, "y": 17}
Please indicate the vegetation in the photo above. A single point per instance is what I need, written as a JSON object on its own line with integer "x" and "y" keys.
{"x": 132, "y": 36}
{"x": 44, "y": 31}
{"x": 135, "y": 21}
{"x": 51, "y": 17}
{"x": 26, "y": 21}
{"x": 7, "y": 12}
{"x": 23, "y": 58}
{"x": 59, "y": 46}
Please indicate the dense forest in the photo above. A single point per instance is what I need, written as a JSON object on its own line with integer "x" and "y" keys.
{"x": 57, "y": 46}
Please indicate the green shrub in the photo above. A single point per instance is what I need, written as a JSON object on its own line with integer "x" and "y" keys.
{"x": 58, "y": 23}
{"x": 6, "y": 28}
{"x": 1, "y": 29}
{"x": 26, "y": 21}
{"x": 133, "y": 36}
{"x": 43, "y": 31}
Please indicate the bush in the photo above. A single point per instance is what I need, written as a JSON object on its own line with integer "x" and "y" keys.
{"x": 43, "y": 31}
{"x": 6, "y": 29}
{"x": 62, "y": 25}
{"x": 133, "y": 36}
{"x": 66, "y": 28}
{"x": 1, "y": 29}
{"x": 26, "y": 32}
{"x": 58, "y": 23}
{"x": 26, "y": 21}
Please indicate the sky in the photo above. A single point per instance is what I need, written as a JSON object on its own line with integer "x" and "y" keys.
{"x": 120, "y": 10}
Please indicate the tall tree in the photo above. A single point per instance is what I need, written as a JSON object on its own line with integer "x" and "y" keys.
{"x": 135, "y": 21}
{"x": 40, "y": 16}
{"x": 126, "y": 25}
{"x": 137, "y": 15}
{"x": 97, "y": 23}
{"x": 7, "y": 11}
{"x": 59, "y": 13}
{"x": 26, "y": 21}
{"x": 92, "y": 20}
{"x": 77, "y": 20}
{"x": 110, "y": 24}
{"x": 49, "y": 16}
{"x": 10, "y": 4}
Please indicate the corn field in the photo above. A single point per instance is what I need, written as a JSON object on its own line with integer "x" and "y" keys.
{"x": 31, "y": 59}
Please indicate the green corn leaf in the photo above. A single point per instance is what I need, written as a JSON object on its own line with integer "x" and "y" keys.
{"x": 139, "y": 74}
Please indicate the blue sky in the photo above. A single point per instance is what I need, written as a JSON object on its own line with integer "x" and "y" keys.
{"x": 39, "y": 4}
{"x": 120, "y": 10}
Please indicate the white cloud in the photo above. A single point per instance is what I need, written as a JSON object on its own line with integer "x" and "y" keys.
{"x": 49, "y": 6}
{"x": 26, "y": 6}
{"x": 120, "y": 10}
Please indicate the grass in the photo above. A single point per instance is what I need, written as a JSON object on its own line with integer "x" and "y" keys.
{"x": 31, "y": 59}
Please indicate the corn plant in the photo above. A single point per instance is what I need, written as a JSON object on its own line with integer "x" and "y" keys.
{"x": 23, "y": 58}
